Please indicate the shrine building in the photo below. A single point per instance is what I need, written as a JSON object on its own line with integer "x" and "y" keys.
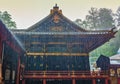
{"x": 53, "y": 51}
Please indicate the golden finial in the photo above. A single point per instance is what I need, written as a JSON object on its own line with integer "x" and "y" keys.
{"x": 56, "y": 9}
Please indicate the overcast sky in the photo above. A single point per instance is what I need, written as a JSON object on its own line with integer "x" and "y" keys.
{"x": 27, "y": 12}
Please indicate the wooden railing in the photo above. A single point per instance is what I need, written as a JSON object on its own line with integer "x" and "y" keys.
{"x": 63, "y": 74}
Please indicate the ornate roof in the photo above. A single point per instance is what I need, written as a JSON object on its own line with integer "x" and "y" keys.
{"x": 55, "y": 22}
{"x": 9, "y": 38}
{"x": 59, "y": 28}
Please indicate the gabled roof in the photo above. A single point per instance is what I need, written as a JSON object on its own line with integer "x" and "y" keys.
{"x": 8, "y": 37}
{"x": 115, "y": 57}
{"x": 55, "y": 22}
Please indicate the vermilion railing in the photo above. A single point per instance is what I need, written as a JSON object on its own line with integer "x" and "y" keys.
{"x": 64, "y": 73}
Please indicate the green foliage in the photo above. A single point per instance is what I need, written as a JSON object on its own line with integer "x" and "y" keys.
{"x": 105, "y": 18}
{"x": 118, "y": 16}
{"x": 93, "y": 18}
{"x": 7, "y": 20}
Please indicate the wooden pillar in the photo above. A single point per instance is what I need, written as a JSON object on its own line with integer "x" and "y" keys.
{"x": 106, "y": 81}
{"x": 11, "y": 72}
{"x": 18, "y": 71}
{"x": 0, "y": 73}
{"x": 118, "y": 80}
{"x": 93, "y": 81}
{"x": 44, "y": 81}
{"x": 23, "y": 81}
{"x": 1, "y": 49}
{"x": 73, "y": 81}
{"x": 1, "y": 53}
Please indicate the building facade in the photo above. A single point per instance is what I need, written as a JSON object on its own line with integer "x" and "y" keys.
{"x": 57, "y": 51}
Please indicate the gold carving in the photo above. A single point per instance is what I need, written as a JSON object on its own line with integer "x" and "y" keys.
{"x": 59, "y": 54}
{"x": 112, "y": 72}
{"x": 35, "y": 42}
{"x": 56, "y": 42}
{"x": 41, "y": 65}
{"x": 56, "y": 18}
{"x": 118, "y": 72}
{"x": 56, "y": 28}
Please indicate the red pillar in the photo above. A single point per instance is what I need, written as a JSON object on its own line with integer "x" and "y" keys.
{"x": 73, "y": 81}
{"x": 118, "y": 80}
{"x": 18, "y": 71}
{"x": 93, "y": 81}
{"x": 23, "y": 81}
{"x": 0, "y": 73}
{"x": 44, "y": 81}
{"x": 106, "y": 81}
{"x": 1, "y": 49}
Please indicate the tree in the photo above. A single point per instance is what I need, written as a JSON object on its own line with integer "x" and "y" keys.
{"x": 7, "y": 20}
{"x": 78, "y": 22}
{"x": 92, "y": 18}
{"x": 81, "y": 23}
{"x": 118, "y": 16}
{"x": 105, "y": 18}
{"x": 100, "y": 18}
